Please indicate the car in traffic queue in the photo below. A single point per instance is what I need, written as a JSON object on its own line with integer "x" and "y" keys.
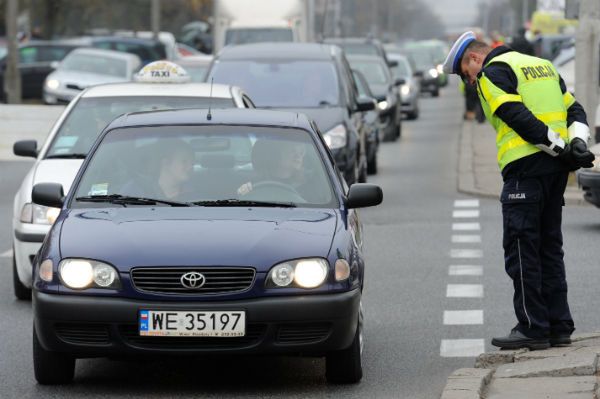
{"x": 371, "y": 121}
{"x": 409, "y": 91}
{"x": 360, "y": 46}
{"x": 131, "y": 267}
{"x": 73, "y": 134}
{"x": 311, "y": 78}
{"x": 85, "y": 67}
{"x": 425, "y": 69}
{"x": 149, "y": 50}
{"x": 386, "y": 91}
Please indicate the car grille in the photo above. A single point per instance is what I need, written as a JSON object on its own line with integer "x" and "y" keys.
{"x": 254, "y": 333}
{"x": 218, "y": 280}
{"x": 302, "y": 333}
{"x": 83, "y": 334}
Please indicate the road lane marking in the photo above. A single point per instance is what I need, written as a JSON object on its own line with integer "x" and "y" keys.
{"x": 463, "y": 317}
{"x": 465, "y": 270}
{"x": 465, "y": 226}
{"x": 466, "y": 203}
{"x": 466, "y": 253}
{"x": 6, "y": 254}
{"x": 462, "y": 347}
{"x": 466, "y": 239}
{"x": 464, "y": 291}
{"x": 471, "y": 213}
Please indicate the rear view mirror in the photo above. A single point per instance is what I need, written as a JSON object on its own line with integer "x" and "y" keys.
{"x": 362, "y": 195}
{"x": 364, "y": 104}
{"x": 25, "y": 148}
{"x": 399, "y": 82}
{"x": 48, "y": 194}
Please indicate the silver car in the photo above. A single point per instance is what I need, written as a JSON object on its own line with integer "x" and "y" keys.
{"x": 86, "y": 67}
{"x": 409, "y": 91}
{"x": 72, "y": 136}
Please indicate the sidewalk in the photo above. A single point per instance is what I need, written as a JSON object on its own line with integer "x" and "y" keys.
{"x": 478, "y": 172}
{"x": 556, "y": 373}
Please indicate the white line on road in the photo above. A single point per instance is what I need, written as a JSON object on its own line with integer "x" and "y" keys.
{"x": 6, "y": 254}
{"x": 466, "y": 253}
{"x": 466, "y": 203}
{"x": 463, "y": 317}
{"x": 465, "y": 270}
{"x": 474, "y": 213}
{"x": 466, "y": 239}
{"x": 462, "y": 347}
{"x": 465, "y": 226}
{"x": 464, "y": 291}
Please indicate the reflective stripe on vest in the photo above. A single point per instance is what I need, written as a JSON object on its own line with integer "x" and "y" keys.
{"x": 539, "y": 90}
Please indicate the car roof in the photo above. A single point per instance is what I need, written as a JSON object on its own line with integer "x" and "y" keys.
{"x": 105, "y": 53}
{"x": 158, "y": 89}
{"x": 365, "y": 57}
{"x": 279, "y": 50}
{"x": 351, "y": 40}
{"x": 232, "y": 116}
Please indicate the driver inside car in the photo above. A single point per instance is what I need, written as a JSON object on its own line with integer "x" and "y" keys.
{"x": 277, "y": 163}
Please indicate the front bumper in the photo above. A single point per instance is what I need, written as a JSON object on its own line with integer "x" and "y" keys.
{"x": 87, "y": 326}
{"x": 429, "y": 85}
{"x": 589, "y": 182}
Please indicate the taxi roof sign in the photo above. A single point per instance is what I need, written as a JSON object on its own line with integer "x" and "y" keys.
{"x": 162, "y": 72}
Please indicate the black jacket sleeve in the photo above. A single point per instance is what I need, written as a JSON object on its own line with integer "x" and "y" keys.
{"x": 516, "y": 115}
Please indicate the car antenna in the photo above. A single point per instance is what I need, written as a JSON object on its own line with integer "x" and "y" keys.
{"x": 209, "y": 115}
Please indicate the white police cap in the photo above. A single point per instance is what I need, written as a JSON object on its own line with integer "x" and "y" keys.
{"x": 451, "y": 65}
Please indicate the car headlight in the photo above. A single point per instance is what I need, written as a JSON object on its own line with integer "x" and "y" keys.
{"x": 405, "y": 89}
{"x": 336, "y": 137}
{"x": 80, "y": 274}
{"x": 38, "y": 214}
{"x": 52, "y": 84}
{"x": 303, "y": 273}
{"x": 439, "y": 69}
{"x": 383, "y": 105}
{"x": 433, "y": 73}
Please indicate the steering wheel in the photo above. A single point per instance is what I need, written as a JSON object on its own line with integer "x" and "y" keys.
{"x": 289, "y": 192}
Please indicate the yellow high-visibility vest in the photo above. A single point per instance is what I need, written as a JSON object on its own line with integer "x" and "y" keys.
{"x": 538, "y": 89}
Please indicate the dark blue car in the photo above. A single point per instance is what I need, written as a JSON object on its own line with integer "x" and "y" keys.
{"x": 193, "y": 233}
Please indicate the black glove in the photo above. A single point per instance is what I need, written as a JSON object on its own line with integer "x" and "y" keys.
{"x": 576, "y": 155}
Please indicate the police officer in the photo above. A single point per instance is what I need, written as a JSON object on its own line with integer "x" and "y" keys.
{"x": 541, "y": 135}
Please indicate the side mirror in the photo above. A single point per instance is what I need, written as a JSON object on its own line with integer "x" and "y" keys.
{"x": 362, "y": 195}
{"x": 25, "y": 148}
{"x": 399, "y": 82}
{"x": 364, "y": 104}
{"x": 392, "y": 63}
{"x": 48, "y": 194}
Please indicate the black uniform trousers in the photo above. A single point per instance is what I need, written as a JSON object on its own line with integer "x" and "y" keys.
{"x": 533, "y": 255}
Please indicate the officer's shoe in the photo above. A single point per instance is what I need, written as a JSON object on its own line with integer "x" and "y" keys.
{"x": 560, "y": 339}
{"x": 518, "y": 340}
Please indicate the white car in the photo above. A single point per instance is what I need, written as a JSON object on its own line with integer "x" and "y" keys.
{"x": 86, "y": 67}
{"x": 73, "y": 135}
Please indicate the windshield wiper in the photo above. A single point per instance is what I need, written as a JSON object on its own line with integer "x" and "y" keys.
{"x": 67, "y": 156}
{"x": 129, "y": 200}
{"x": 237, "y": 202}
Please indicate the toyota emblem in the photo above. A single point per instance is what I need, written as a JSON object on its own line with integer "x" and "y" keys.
{"x": 193, "y": 280}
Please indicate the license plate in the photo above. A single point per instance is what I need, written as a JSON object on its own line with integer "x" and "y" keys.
{"x": 192, "y": 323}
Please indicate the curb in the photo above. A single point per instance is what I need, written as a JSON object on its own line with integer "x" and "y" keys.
{"x": 467, "y": 173}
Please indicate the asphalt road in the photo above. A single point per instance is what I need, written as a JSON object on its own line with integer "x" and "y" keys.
{"x": 409, "y": 249}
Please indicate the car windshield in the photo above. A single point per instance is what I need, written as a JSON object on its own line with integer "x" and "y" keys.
{"x": 402, "y": 70}
{"x": 243, "y": 36}
{"x": 421, "y": 58}
{"x": 95, "y": 64}
{"x": 206, "y": 166}
{"x": 374, "y": 72}
{"x": 90, "y": 115}
{"x": 282, "y": 84}
{"x": 359, "y": 48}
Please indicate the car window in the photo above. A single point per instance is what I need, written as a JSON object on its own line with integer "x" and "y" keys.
{"x": 374, "y": 72}
{"x": 402, "y": 70}
{"x": 359, "y": 48}
{"x": 52, "y": 53}
{"x": 209, "y": 163}
{"x": 28, "y": 55}
{"x": 97, "y": 64}
{"x": 242, "y": 36}
{"x": 90, "y": 115}
{"x": 275, "y": 83}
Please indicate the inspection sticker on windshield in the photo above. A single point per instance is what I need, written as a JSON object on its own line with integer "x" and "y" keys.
{"x": 192, "y": 323}
{"x": 99, "y": 189}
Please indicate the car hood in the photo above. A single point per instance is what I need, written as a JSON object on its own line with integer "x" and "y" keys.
{"x": 197, "y": 236}
{"x": 326, "y": 118}
{"x": 83, "y": 79}
{"x": 62, "y": 171}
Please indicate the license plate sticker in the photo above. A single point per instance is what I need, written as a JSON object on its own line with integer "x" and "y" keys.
{"x": 165, "y": 323}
